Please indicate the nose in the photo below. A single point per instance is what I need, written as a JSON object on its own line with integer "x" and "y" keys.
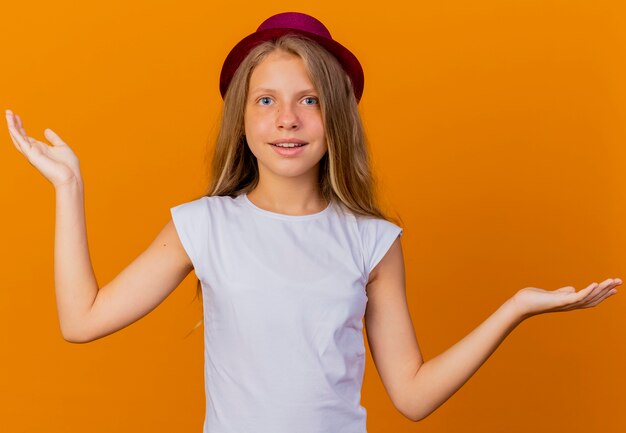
{"x": 287, "y": 118}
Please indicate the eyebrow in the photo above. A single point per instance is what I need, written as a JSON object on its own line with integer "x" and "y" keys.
{"x": 267, "y": 90}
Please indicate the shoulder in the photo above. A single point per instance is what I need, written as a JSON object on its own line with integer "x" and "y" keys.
{"x": 203, "y": 205}
{"x": 372, "y": 228}
{"x": 190, "y": 206}
{"x": 369, "y": 220}
{"x": 392, "y": 259}
{"x": 377, "y": 235}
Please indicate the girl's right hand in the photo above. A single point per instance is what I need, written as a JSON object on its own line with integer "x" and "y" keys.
{"x": 57, "y": 163}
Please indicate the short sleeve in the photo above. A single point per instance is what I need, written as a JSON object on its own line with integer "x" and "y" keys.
{"x": 377, "y": 236}
{"x": 191, "y": 221}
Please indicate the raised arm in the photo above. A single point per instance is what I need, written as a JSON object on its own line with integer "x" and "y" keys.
{"x": 418, "y": 388}
{"x": 87, "y": 312}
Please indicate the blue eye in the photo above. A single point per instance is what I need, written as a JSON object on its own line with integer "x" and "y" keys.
{"x": 308, "y": 98}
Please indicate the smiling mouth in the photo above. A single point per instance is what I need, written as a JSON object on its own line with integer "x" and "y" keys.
{"x": 288, "y": 146}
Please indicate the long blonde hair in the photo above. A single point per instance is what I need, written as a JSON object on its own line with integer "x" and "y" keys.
{"x": 345, "y": 175}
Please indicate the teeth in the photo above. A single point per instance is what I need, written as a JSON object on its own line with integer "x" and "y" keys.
{"x": 288, "y": 145}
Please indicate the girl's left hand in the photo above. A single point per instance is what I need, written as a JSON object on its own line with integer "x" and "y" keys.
{"x": 531, "y": 301}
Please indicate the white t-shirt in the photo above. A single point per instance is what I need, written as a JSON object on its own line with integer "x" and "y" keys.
{"x": 284, "y": 298}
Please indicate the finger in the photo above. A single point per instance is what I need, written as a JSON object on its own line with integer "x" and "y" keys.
{"x": 596, "y": 295}
{"x": 592, "y": 297}
{"x": 18, "y": 134}
{"x": 21, "y": 144}
{"x": 581, "y": 295}
{"x": 53, "y": 137}
{"x": 577, "y": 299}
{"x": 25, "y": 146}
{"x": 601, "y": 294}
{"x": 20, "y": 125}
{"x": 570, "y": 298}
{"x": 597, "y": 290}
{"x": 9, "y": 118}
{"x": 15, "y": 133}
{"x": 17, "y": 146}
{"x": 608, "y": 294}
{"x": 13, "y": 125}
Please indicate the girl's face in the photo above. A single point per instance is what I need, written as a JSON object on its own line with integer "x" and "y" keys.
{"x": 283, "y": 104}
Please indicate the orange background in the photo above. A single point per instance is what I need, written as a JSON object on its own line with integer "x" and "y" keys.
{"x": 497, "y": 132}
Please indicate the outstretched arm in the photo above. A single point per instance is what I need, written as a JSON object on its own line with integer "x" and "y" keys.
{"x": 418, "y": 388}
{"x": 440, "y": 377}
{"x": 437, "y": 379}
{"x": 86, "y": 311}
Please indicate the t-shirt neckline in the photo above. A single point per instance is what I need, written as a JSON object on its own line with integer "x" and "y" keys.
{"x": 284, "y": 216}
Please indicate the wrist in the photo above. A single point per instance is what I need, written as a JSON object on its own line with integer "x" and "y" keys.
{"x": 73, "y": 184}
{"x": 516, "y": 309}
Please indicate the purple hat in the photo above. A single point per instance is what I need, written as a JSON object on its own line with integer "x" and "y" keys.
{"x": 298, "y": 23}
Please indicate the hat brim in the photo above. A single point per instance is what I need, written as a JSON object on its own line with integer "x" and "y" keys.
{"x": 348, "y": 61}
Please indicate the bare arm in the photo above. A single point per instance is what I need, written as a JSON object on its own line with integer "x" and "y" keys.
{"x": 437, "y": 379}
{"x": 418, "y": 388}
{"x": 87, "y": 312}
{"x": 140, "y": 287}
{"x": 74, "y": 279}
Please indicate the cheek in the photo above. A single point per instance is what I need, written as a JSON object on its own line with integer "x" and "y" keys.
{"x": 247, "y": 121}
{"x": 316, "y": 124}
{"x": 321, "y": 133}
{"x": 255, "y": 125}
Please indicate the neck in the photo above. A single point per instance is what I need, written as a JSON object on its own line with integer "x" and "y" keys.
{"x": 290, "y": 197}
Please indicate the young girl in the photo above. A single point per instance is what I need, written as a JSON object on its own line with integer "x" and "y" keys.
{"x": 291, "y": 251}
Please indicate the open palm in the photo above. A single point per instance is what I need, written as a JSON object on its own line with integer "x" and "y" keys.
{"x": 57, "y": 163}
{"x": 532, "y": 300}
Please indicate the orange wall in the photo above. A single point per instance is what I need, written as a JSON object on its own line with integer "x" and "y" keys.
{"x": 497, "y": 130}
